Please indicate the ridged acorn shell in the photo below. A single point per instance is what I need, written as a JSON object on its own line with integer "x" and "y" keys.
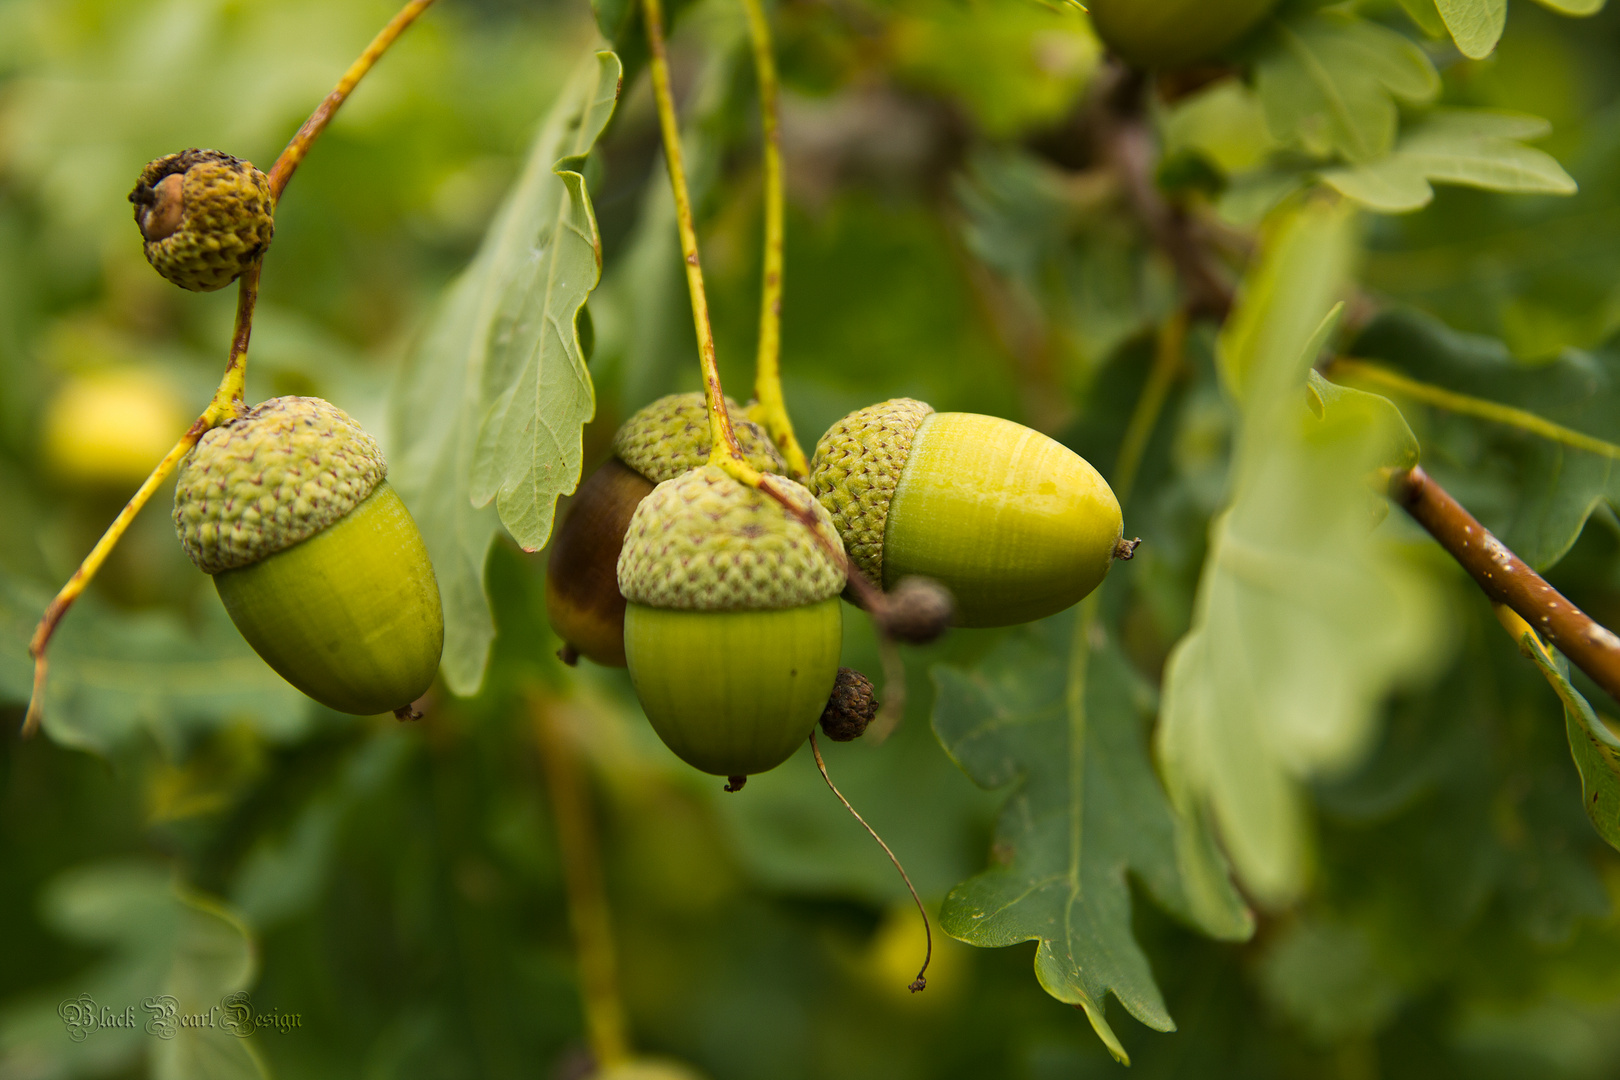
{"x": 857, "y": 466}
{"x": 261, "y": 483}
{"x": 705, "y": 542}
{"x": 227, "y": 218}
{"x": 671, "y": 436}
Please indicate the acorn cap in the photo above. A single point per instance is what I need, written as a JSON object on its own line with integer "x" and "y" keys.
{"x": 264, "y": 481}
{"x": 671, "y": 436}
{"x": 205, "y": 216}
{"x": 706, "y": 542}
{"x": 856, "y": 469}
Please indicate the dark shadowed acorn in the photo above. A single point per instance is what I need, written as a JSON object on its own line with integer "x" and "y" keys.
{"x": 660, "y": 442}
{"x": 1016, "y": 526}
{"x": 205, "y": 217}
{"x": 316, "y": 559}
{"x": 733, "y": 625}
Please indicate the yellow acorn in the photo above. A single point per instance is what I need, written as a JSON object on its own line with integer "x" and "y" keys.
{"x": 316, "y": 559}
{"x": 1014, "y": 524}
{"x": 205, "y": 217}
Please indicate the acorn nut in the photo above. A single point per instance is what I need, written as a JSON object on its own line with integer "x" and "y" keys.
{"x": 1173, "y": 33}
{"x": 316, "y": 559}
{"x": 205, "y": 217}
{"x": 658, "y": 443}
{"x": 733, "y": 624}
{"x": 1015, "y": 525}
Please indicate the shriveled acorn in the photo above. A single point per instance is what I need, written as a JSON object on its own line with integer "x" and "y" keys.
{"x": 733, "y": 626}
{"x": 205, "y": 217}
{"x": 1173, "y": 33}
{"x": 316, "y": 559}
{"x": 658, "y": 443}
{"x": 1014, "y": 524}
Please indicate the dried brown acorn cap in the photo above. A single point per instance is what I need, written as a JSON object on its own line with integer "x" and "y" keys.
{"x": 261, "y": 483}
{"x": 205, "y": 217}
{"x": 706, "y": 542}
{"x": 671, "y": 436}
{"x": 856, "y": 469}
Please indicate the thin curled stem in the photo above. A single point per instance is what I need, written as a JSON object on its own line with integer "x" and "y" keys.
{"x": 770, "y": 407}
{"x": 229, "y": 400}
{"x": 920, "y": 982}
{"x": 725, "y": 450}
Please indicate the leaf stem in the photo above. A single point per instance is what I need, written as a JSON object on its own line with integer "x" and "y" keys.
{"x": 725, "y": 452}
{"x": 920, "y": 982}
{"x": 299, "y": 147}
{"x": 770, "y": 407}
{"x": 1506, "y": 579}
{"x": 1167, "y": 357}
{"x": 582, "y": 878}
{"x": 229, "y": 400}
{"x": 1466, "y": 404}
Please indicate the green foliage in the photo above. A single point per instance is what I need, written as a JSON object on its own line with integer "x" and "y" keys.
{"x": 1287, "y": 700}
{"x": 1303, "y": 621}
{"x": 163, "y": 941}
{"x": 503, "y": 345}
{"x": 1330, "y": 81}
{"x": 1065, "y": 723}
{"x": 118, "y": 677}
{"x": 1474, "y": 149}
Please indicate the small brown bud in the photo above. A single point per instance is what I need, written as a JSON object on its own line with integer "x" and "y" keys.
{"x": 851, "y": 708}
{"x": 918, "y": 611}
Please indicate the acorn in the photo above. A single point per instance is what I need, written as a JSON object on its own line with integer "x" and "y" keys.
{"x": 317, "y": 561}
{"x": 658, "y": 443}
{"x": 733, "y": 624}
{"x": 1173, "y": 33}
{"x": 205, "y": 217}
{"x": 1014, "y": 524}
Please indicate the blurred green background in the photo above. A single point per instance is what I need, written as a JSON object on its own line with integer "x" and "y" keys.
{"x": 191, "y": 821}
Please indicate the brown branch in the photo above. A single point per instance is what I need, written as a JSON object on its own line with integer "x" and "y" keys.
{"x": 1125, "y": 141}
{"x": 1506, "y": 579}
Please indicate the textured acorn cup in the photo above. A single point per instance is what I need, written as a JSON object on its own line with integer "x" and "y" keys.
{"x": 205, "y": 217}
{"x": 733, "y": 625}
{"x": 658, "y": 443}
{"x": 316, "y": 559}
{"x": 1015, "y": 525}
{"x": 1173, "y": 33}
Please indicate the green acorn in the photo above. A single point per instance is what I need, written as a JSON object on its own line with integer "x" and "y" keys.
{"x": 1173, "y": 33}
{"x": 316, "y": 559}
{"x": 205, "y": 217}
{"x": 660, "y": 442}
{"x": 1014, "y": 524}
{"x": 733, "y": 626}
